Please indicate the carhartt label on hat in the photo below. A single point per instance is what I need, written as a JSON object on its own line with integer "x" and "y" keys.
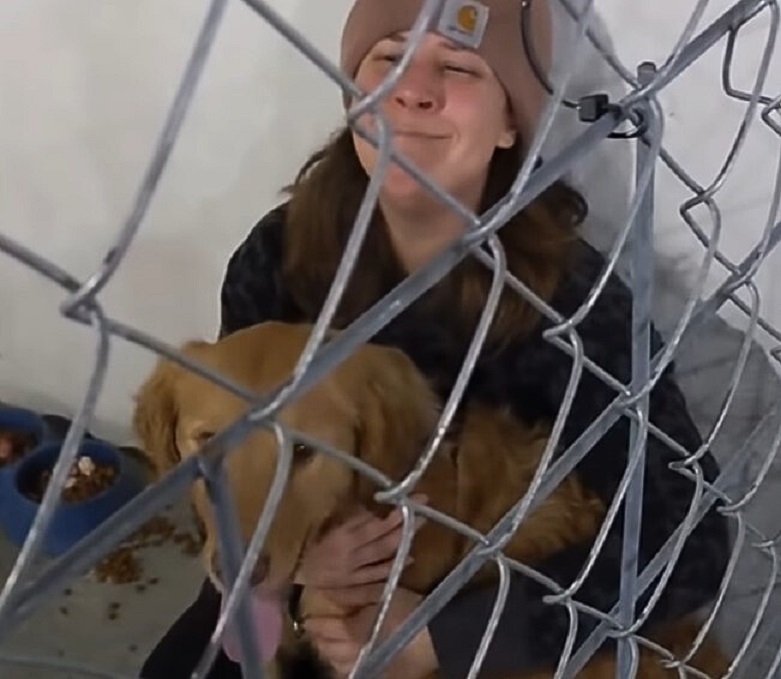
{"x": 464, "y": 22}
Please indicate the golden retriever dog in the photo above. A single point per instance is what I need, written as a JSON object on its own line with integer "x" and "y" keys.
{"x": 378, "y": 407}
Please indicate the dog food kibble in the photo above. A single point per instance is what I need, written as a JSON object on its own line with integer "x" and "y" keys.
{"x": 85, "y": 466}
{"x": 113, "y": 610}
{"x": 86, "y": 479}
{"x": 14, "y": 445}
{"x": 123, "y": 566}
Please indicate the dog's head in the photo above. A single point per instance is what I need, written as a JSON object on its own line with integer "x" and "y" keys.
{"x": 375, "y": 406}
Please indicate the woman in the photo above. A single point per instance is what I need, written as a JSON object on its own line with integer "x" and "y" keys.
{"x": 463, "y": 111}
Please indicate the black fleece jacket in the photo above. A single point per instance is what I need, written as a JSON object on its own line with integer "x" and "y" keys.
{"x": 530, "y": 377}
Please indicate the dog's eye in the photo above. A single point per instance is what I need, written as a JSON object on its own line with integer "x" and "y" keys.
{"x": 302, "y": 453}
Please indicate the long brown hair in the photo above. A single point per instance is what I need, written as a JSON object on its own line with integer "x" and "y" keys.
{"x": 324, "y": 201}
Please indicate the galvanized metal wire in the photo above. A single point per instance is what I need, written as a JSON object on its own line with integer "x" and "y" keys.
{"x": 639, "y": 111}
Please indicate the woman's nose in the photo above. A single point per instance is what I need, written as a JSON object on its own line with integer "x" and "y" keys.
{"x": 417, "y": 89}
{"x": 414, "y": 99}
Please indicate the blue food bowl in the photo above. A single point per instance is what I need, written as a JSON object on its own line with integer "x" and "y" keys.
{"x": 21, "y": 422}
{"x": 45, "y": 426}
{"x": 72, "y": 520}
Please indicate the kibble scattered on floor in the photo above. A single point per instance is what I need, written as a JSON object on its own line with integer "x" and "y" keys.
{"x": 118, "y": 590}
{"x": 125, "y": 565}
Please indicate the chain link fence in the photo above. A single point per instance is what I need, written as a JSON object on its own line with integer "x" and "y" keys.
{"x": 638, "y": 115}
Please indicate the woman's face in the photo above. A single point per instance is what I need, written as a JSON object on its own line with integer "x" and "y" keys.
{"x": 448, "y": 113}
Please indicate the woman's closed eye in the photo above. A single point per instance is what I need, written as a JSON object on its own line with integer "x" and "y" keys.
{"x": 390, "y": 58}
{"x": 453, "y": 66}
{"x": 460, "y": 68}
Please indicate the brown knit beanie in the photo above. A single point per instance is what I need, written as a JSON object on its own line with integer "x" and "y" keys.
{"x": 491, "y": 27}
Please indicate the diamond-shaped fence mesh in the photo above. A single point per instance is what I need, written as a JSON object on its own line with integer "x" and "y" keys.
{"x": 745, "y": 467}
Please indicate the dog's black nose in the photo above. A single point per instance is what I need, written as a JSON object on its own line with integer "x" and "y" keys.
{"x": 259, "y": 572}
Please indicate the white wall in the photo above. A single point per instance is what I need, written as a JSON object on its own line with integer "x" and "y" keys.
{"x": 84, "y": 87}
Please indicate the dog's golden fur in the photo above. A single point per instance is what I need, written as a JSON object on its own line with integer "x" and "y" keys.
{"x": 378, "y": 407}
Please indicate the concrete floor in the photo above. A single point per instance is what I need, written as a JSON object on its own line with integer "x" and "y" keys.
{"x": 108, "y": 628}
{"x": 104, "y": 626}
{"x": 78, "y": 628}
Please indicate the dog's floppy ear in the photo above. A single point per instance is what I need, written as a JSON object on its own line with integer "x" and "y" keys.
{"x": 156, "y": 412}
{"x": 398, "y": 411}
{"x": 156, "y": 415}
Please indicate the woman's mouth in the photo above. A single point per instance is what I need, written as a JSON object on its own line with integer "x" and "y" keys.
{"x": 413, "y": 134}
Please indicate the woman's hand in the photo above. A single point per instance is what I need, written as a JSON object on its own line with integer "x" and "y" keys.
{"x": 357, "y": 552}
{"x": 350, "y": 564}
{"x": 339, "y": 639}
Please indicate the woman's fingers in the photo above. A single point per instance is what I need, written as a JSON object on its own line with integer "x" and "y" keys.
{"x": 379, "y": 550}
{"x": 377, "y": 572}
{"x": 354, "y": 552}
{"x": 368, "y": 531}
{"x": 361, "y": 517}
{"x": 368, "y": 527}
{"x": 357, "y": 596}
{"x": 366, "y": 575}
{"x": 382, "y": 548}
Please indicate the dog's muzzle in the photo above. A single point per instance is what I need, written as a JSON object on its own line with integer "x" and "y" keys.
{"x": 259, "y": 572}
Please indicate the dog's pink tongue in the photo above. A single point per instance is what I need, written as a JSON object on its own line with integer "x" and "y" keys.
{"x": 267, "y": 617}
